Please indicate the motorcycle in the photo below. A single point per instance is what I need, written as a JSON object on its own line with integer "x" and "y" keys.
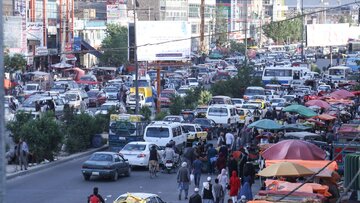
{"x": 169, "y": 166}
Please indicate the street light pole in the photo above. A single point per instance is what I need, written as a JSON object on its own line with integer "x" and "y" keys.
{"x": 246, "y": 21}
{"x": 2, "y": 112}
{"x": 302, "y": 30}
{"x": 134, "y": 2}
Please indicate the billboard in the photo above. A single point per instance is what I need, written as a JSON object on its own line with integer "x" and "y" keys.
{"x": 327, "y": 34}
{"x": 116, "y": 13}
{"x": 34, "y": 31}
{"x": 163, "y": 40}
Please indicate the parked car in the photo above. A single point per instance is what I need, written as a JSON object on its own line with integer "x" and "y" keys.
{"x": 105, "y": 164}
{"x": 139, "y": 197}
{"x": 171, "y": 118}
{"x": 117, "y": 106}
{"x": 111, "y": 92}
{"x": 96, "y": 97}
{"x": 138, "y": 153}
{"x": 165, "y": 96}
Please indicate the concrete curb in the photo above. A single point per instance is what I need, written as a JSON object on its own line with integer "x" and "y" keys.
{"x": 54, "y": 163}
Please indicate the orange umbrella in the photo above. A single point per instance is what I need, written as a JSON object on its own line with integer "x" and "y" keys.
{"x": 307, "y": 163}
{"x": 325, "y": 117}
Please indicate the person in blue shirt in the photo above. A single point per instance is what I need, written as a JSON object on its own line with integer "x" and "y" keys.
{"x": 196, "y": 170}
{"x": 211, "y": 155}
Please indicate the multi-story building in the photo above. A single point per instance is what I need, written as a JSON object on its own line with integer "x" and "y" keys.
{"x": 195, "y": 20}
{"x": 275, "y": 10}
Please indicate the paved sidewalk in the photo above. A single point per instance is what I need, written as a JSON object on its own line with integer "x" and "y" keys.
{"x": 13, "y": 171}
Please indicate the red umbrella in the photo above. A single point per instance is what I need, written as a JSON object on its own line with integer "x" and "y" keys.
{"x": 325, "y": 117}
{"x": 341, "y": 94}
{"x": 319, "y": 103}
{"x": 294, "y": 149}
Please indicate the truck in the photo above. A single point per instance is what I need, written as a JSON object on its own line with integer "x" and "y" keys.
{"x": 125, "y": 128}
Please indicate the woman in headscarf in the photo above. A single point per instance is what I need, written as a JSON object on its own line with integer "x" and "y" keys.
{"x": 223, "y": 179}
{"x": 246, "y": 188}
{"x": 234, "y": 186}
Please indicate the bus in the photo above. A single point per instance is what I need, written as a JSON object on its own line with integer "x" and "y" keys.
{"x": 285, "y": 74}
{"x": 125, "y": 128}
{"x": 338, "y": 73}
{"x": 353, "y": 63}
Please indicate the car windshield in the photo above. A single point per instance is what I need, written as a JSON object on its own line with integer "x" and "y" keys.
{"x": 29, "y": 103}
{"x": 192, "y": 80}
{"x": 87, "y": 78}
{"x": 59, "y": 86}
{"x": 249, "y": 106}
{"x": 110, "y": 89}
{"x": 30, "y": 87}
{"x": 166, "y": 95}
{"x": 218, "y": 111}
{"x": 237, "y": 101}
{"x": 172, "y": 119}
{"x": 101, "y": 157}
{"x": 277, "y": 101}
{"x": 254, "y": 92}
{"x": 202, "y": 122}
{"x": 157, "y": 132}
{"x": 189, "y": 128}
{"x": 134, "y": 147}
{"x": 182, "y": 91}
{"x": 71, "y": 97}
{"x": 92, "y": 93}
{"x": 106, "y": 107}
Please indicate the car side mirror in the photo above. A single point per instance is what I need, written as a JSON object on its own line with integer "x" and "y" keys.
{"x": 126, "y": 160}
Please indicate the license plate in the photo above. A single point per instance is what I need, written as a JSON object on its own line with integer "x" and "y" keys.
{"x": 122, "y": 138}
{"x": 95, "y": 173}
{"x": 168, "y": 165}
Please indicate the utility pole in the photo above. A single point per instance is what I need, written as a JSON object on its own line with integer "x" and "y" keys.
{"x": 302, "y": 31}
{"x": 2, "y": 112}
{"x": 134, "y": 2}
{"x": 202, "y": 26}
{"x": 246, "y": 16}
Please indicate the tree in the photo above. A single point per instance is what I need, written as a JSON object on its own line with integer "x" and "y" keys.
{"x": 205, "y": 97}
{"x": 177, "y": 105}
{"x": 237, "y": 47}
{"x": 283, "y": 31}
{"x": 115, "y": 46}
{"x": 235, "y": 87}
{"x": 191, "y": 98}
{"x": 14, "y": 63}
{"x": 146, "y": 112}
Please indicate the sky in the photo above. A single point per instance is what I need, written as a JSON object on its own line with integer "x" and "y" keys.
{"x": 317, "y": 2}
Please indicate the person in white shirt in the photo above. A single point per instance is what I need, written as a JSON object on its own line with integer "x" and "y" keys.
{"x": 229, "y": 139}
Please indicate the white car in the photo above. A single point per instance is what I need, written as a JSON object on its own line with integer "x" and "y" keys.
{"x": 278, "y": 103}
{"x": 104, "y": 108}
{"x": 138, "y": 153}
{"x": 182, "y": 91}
{"x": 238, "y": 102}
{"x": 193, "y": 82}
{"x": 139, "y": 197}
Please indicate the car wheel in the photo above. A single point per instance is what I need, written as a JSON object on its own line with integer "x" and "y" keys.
{"x": 86, "y": 177}
{"x": 128, "y": 173}
{"x": 115, "y": 176}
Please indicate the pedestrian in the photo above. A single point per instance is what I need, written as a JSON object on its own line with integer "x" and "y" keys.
{"x": 221, "y": 139}
{"x": 183, "y": 179}
{"x": 229, "y": 139}
{"x": 232, "y": 164}
{"x": 189, "y": 155}
{"x": 22, "y": 153}
{"x": 221, "y": 162}
{"x": 234, "y": 186}
{"x": 224, "y": 150}
{"x": 246, "y": 188}
{"x": 207, "y": 191}
{"x": 95, "y": 197}
{"x": 37, "y": 106}
{"x": 196, "y": 197}
{"x": 196, "y": 170}
{"x": 211, "y": 155}
{"x": 223, "y": 179}
{"x": 219, "y": 192}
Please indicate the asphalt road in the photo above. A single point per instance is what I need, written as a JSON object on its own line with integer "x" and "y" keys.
{"x": 65, "y": 183}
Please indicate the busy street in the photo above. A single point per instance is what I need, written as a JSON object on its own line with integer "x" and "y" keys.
{"x": 198, "y": 101}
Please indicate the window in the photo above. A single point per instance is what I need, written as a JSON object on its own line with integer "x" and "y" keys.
{"x": 193, "y": 29}
{"x": 218, "y": 111}
{"x": 157, "y": 132}
{"x": 116, "y": 158}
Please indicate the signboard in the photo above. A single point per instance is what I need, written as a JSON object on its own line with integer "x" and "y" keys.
{"x": 116, "y": 13}
{"x": 41, "y": 51}
{"x": 163, "y": 41}
{"x": 327, "y": 34}
{"x": 34, "y": 31}
{"x": 77, "y": 44}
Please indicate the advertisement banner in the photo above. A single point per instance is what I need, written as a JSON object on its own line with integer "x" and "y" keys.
{"x": 77, "y": 44}
{"x": 116, "y": 12}
{"x": 327, "y": 34}
{"x": 34, "y": 31}
{"x": 163, "y": 41}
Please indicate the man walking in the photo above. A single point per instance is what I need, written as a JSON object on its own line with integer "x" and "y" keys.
{"x": 197, "y": 166}
{"x": 218, "y": 192}
{"x": 95, "y": 197}
{"x": 22, "y": 153}
{"x": 208, "y": 192}
{"x": 183, "y": 179}
{"x": 196, "y": 197}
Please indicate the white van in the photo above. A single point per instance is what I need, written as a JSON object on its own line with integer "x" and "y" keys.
{"x": 162, "y": 132}
{"x": 74, "y": 97}
{"x": 223, "y": 114}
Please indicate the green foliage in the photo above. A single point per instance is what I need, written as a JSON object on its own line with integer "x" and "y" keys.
{"x": 237, "y": 47}
{"x": 315, "y": 68}
{"x": 177, "y": 105}
{"x": 14, "y": 63}
{"x": 43, "y": 135}
{"x": 115, "y": 46}
{"x": 205, "y": 97}
{"x": 235, "y": 87}
{"x": 161, "y": 115}
{"x": 21, "y": 118}
{"x": 146, "y": 112}
{"x": 191, "y": 98}
{"x": 80, "y": 132}
{"x": 283, "y": 31}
